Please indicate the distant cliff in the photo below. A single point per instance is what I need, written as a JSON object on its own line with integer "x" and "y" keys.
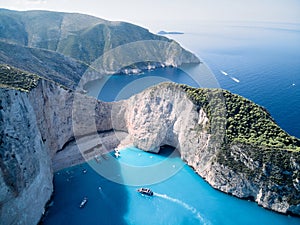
{"x": 64, "y": 46}
{"x": 49, "y": 117}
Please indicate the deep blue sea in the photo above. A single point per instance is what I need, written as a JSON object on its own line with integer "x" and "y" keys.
{"x": 258, "y": 61}
{"x": 264, "y": 57}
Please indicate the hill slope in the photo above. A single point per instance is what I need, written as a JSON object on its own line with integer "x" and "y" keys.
{"x": 48, "y": 64}
{"x": 79, "y": 36}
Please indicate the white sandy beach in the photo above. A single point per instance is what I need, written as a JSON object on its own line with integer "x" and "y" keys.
{"x": 88, "y": 147}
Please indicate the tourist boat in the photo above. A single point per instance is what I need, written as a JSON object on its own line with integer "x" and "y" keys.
{"x": 145, "y": 191}
{"x": 83, "y": 202}
{"x": 117, "y": 153}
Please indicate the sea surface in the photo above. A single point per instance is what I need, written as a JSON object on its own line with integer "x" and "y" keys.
{"x": 258, "y": 61}
{"x": 180, "y": 195}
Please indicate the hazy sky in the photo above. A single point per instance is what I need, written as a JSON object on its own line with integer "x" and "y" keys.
{"x": 153, "y": 13}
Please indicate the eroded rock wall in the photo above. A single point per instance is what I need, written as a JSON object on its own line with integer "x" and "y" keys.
{"x": 35, "y": 125}
{"x": 164, "y": 115}
{"x": 63, "y": 114}
{"x": 25, "y": 167}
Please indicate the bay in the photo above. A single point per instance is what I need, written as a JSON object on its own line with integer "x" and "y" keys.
{"x": 180, "y": 198}
{"x": 262, "y": 63}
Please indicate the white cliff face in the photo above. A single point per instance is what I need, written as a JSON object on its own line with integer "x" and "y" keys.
{"x": 161, "y": 115}
{"x": 34, "y": 126}
{"x": 25, "y": 167}
{"x": 268, "y": 177}
{"x": 52, "y": 106}
{"x": 63, "y": 115}
{"x": 164, "y": 115}
{"x": 50, "y": 117}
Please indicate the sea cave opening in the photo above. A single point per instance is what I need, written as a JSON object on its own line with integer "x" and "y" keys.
{"x": 169, "y": 151}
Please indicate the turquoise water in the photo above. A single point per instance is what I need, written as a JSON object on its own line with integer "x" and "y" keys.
{"x": 183, "y": 198}
{"x": 265, "y": 61}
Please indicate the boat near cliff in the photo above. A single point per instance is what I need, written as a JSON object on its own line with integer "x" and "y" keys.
{"x": 146, "y": 191}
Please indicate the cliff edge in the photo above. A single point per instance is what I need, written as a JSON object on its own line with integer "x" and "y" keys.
{"x": 244, "y": 153}
{"x": 25, "y": 165}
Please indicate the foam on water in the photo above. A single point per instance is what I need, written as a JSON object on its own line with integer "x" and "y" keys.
{"x": 186, "y": 206}
{"x": 235, "y": 79}
{"x": 223, "y": 72}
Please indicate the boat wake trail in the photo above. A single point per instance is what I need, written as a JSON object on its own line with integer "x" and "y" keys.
{"x": 235, "y": 79}
{"x": 231, "y": 77}
{"x": 223, "y": 72}
{"x": 186, "y": 206}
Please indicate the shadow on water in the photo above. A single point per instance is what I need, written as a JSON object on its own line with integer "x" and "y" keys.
{"x": 168, "y": 151}
{"x": 107, "y": 200}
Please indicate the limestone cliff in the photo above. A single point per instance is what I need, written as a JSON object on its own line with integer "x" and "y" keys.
{"x": 35, "y": 123}
{"x": 42, "y": 123}
{"x": 166, "y": 114}
{"x": 63, "y": 114}
{"x": 25, "y": 167}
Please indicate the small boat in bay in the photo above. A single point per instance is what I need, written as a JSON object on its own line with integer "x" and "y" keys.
{"x": 145, "y": 191}
{"x": 83, "y": 202}
{"x": 117, "y": 153}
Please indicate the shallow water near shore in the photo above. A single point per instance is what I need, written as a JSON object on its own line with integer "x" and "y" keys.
{"x": 182, "y": 198}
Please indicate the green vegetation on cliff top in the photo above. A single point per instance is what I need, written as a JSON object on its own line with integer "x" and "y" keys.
{"x": 240, "y": 120}
{"x": 13, "y": 78}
